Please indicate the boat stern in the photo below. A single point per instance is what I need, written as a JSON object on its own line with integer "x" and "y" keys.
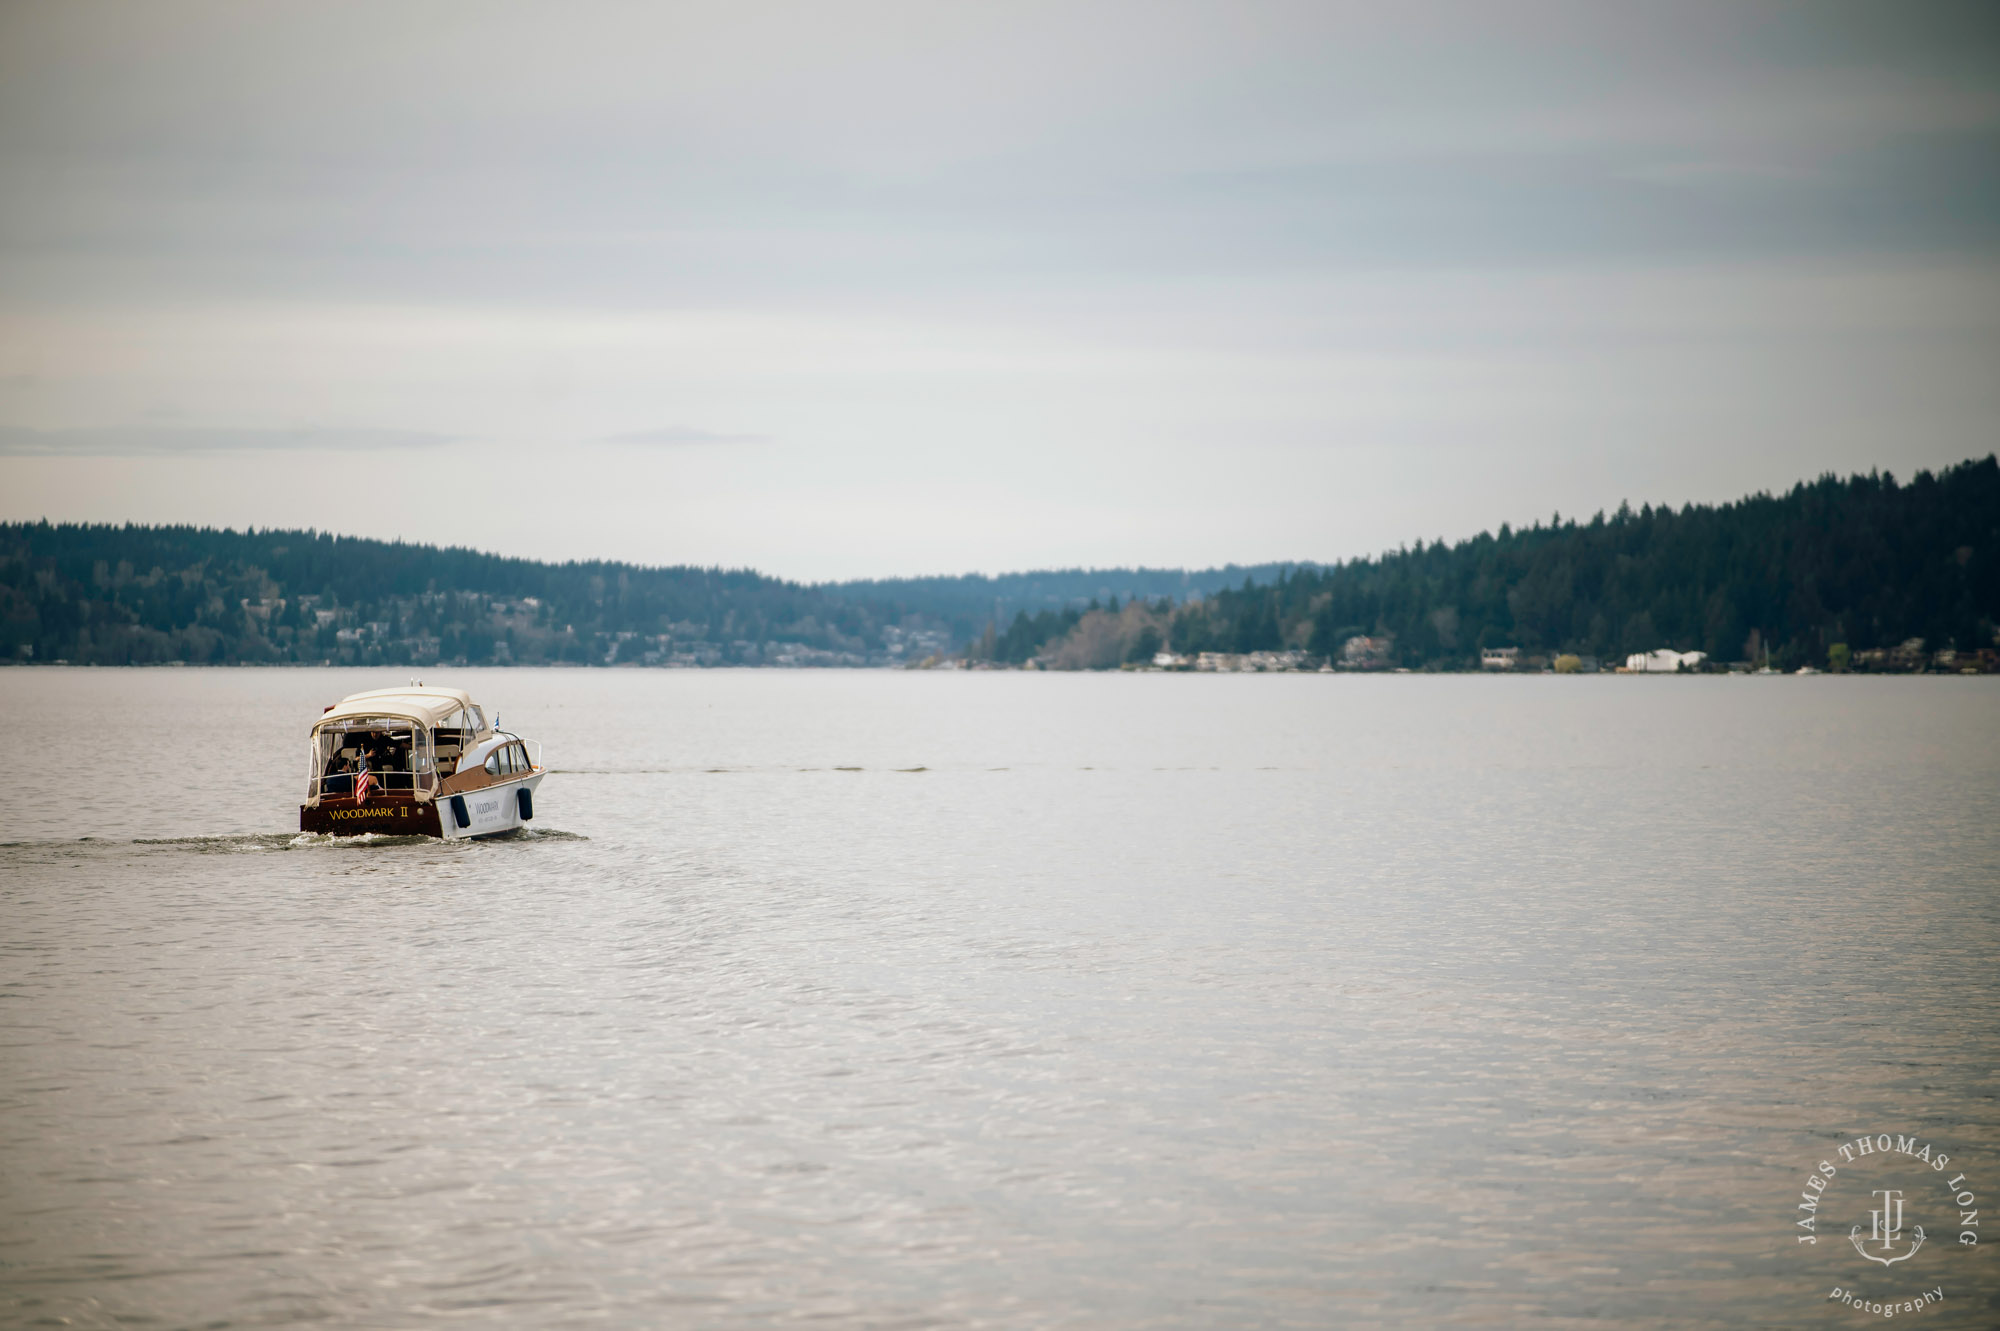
{"x": 385, "y": 818}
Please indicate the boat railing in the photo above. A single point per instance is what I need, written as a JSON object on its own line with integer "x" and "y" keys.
{"x": 340, "y": 785}
{"x": 532, "y": 746}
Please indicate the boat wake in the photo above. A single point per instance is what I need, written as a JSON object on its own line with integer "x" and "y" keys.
{"x": 366, "y": 840}
{"x": 257, "y": 843}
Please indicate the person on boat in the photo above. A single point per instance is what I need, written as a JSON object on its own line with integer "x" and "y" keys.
{"x": 340, "y": 774}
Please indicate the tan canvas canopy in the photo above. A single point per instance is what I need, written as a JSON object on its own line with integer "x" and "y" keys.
{"x": 421, "y": 705}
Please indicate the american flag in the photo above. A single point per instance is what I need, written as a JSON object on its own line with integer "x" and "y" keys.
{"x": 362, "y": 783}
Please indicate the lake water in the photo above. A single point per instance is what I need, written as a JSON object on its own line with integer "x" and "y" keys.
{"x": 1001, "y": 1000}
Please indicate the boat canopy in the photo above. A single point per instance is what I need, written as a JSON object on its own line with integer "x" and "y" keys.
{"x": 424, "y": 706}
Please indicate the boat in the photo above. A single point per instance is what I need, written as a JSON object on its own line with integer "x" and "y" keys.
{"x": 417, "y": 761}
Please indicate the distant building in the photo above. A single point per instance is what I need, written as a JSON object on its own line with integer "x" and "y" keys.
{"x": 1365, "y": 653}
{"x": 1249, "y": 663}
{"x": 1663, "y": 661}
{"x": 1499, "y": 658}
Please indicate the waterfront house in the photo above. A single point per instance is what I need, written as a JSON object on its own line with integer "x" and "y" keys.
{"x": 1365, "y": 653}
{"x": 1663, "y": 661}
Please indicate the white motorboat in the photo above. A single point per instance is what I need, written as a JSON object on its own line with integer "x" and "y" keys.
{"x": 417, "y": 761}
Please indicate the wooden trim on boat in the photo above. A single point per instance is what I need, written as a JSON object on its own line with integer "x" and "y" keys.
{"x": 389, "y": 818}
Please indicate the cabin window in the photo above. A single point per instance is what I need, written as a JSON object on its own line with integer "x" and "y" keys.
{"x": 452, "y": 737}
{"x": 389, "y": 750}
{"x": 521, "y": 763}
{"x": 478, "y": 717}
{"x": 493, "y": 763}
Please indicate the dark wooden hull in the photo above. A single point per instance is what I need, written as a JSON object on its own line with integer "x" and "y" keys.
{"x": 389, "y": 818}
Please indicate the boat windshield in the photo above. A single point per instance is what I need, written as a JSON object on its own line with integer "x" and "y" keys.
{"x": 454, "y": 735}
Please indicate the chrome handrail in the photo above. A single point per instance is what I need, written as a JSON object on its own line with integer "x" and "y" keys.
{"x": 341, "y": 784}
{"x": 533, "y": 747}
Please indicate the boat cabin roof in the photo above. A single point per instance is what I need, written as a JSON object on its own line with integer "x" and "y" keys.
{"x": 426, "y": 706}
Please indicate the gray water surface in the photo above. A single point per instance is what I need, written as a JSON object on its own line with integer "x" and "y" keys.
{"x": 911, "y": 1000}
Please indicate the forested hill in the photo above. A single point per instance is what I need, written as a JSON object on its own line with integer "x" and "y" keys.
{"x": 1866, "y": 561}
{"x": 118, "y": 595}
{"x": 973, "y": 600}
{"x": 137, "y": 595}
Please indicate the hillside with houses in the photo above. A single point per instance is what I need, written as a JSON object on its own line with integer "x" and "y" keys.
{"x": 1865, "y": 573}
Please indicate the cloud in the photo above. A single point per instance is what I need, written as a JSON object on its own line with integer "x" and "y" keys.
{"x": 1724, "y": 174}
{"x": 158, "y": 441}
{"x": 673, "y": 435}
{"x": 709, "y": 157}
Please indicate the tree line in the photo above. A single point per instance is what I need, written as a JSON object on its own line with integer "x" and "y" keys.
{"x": 1864, "y": 562}
{"x": 118, "y": 595}
{"x": 1861, "y": 563}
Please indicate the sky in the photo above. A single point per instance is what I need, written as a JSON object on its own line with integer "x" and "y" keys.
{"x": 852, "y": 289}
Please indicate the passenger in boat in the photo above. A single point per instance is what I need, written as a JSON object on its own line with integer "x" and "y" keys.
{"x": 340, "y": 774}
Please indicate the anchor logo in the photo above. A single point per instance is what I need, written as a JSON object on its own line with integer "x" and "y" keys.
{"x": 1886, "y": 1227}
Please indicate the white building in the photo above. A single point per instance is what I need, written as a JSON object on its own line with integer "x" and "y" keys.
{"x": 1499, "y": 658}
{"x": 1663, "y": 661}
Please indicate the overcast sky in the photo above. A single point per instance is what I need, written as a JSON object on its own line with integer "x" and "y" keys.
{"x": 839, "y": 289}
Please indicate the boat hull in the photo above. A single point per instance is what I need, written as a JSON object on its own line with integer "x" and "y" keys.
{"x": 490, "y": 811}
{"x": 401, "y": 818}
